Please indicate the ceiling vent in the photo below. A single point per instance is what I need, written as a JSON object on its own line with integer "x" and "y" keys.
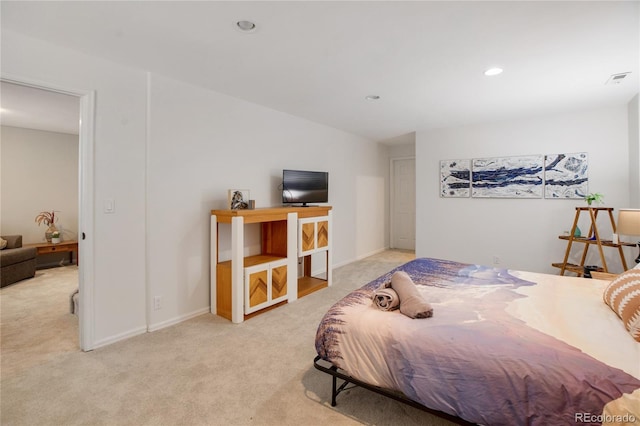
{"x": 617, "y": 78}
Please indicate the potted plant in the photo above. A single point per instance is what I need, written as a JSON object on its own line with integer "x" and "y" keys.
{"x": 594, "y": 197}
{"x": 49, "y": 219}
{"x": 55, "y": 237}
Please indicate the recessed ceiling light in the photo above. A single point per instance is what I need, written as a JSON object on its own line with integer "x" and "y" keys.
{"x": 372, "y": 97}
{"x": 246, "y": 26}
{"x": 493, "y": 71}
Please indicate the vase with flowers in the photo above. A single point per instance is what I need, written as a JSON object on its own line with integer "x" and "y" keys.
{"x": 49, "y": 219}
{"x": 55, "y": 237}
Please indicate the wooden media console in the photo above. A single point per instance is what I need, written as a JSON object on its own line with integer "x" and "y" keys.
{"x": 246, "y": 285}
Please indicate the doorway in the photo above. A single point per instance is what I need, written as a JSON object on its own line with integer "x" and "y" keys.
{"x": 403, "y": 203}
{"x": 85, "y": 117}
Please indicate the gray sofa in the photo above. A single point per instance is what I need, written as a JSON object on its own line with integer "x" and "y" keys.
{"x": 16, "y": 262}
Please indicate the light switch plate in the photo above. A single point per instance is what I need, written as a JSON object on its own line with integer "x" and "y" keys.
{"x": 109, "y": 205}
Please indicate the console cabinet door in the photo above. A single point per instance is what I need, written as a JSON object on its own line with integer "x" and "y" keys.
{"x": 322, "y": 234}
{"x": 313, "y": 235}
{"x": 278, "y": 282}
{"x": 256, "y": 288}
{"x": 264, "y": 285}
{"x": 307, "y": 237}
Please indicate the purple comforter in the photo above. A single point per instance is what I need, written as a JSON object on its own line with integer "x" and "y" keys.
{"x": 472, "y": 359}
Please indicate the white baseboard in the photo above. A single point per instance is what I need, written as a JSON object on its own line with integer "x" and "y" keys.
{"x": 178, "y": 319}
{"x": 118, "y": 337}
{"x": 380, "y": 250}
{"x": 360, "y": 257}
{"x": 150, "y": 328}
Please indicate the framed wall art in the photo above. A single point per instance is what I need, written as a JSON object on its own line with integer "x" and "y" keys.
{"x": 455, "y": 178}
{"x": 566, "y": 175}
{"x": 507, "y": 177}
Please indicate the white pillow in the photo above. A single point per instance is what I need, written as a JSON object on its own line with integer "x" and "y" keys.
{"x": 3, "y": 243}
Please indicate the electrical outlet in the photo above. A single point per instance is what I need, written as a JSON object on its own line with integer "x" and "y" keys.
{"x": 157, "y": 302}
{"x": 496, "y": 260}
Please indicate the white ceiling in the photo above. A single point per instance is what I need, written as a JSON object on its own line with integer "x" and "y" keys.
{"x": 318, "y": 60}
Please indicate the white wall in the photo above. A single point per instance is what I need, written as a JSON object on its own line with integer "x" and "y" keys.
{"x": 404, "y": 150}
{"x": 38, "y": 172}
{"x": 201, "y": 144}
{"x": 634, "y": 152}
{"x": 522, "y": 232}
{"x": 168, "y": 170}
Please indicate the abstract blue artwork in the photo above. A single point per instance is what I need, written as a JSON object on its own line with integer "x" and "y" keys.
{"x": 508, "y": 177}
{"x": 566, "y": 175}
{"x": 455, "y": 178}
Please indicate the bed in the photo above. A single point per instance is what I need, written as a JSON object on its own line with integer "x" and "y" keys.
{"x": 503, "y": 347}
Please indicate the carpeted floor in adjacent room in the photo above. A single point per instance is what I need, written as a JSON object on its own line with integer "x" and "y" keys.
{"x": 205, "y": 371}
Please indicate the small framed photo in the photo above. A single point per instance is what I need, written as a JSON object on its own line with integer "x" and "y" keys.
{"x": 238, "y": 199}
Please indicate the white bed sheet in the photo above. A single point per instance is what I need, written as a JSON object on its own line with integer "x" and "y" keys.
{"x": 572, "y": 309}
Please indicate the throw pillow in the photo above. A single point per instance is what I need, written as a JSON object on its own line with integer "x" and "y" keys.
{"x": 3, "y": 243}
{"x": 623, "y": 296}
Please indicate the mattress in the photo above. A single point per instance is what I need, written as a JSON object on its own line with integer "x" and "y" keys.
{"x": 503, "y": 347}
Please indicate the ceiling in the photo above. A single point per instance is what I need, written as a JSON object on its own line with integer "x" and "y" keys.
{"x": 32, "y": 108}
{"x": 319, "y": 60}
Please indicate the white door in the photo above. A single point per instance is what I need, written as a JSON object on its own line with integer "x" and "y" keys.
{"x": 403, "y": 203}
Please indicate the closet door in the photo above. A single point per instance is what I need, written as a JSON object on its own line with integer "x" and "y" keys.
{"x": 403, "y": 203}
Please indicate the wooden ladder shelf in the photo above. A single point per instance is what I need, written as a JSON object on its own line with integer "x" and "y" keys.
{"x": 593, "y": 238}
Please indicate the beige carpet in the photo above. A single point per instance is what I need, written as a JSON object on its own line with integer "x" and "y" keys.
{"x": 205, "y": 371}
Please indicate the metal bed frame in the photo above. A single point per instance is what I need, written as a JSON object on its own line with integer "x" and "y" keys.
{"x": 336, "y": 374}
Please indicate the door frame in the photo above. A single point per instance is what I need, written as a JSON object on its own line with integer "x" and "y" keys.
{"x": 86, "y": 140}
{"x": 392, "y": 195}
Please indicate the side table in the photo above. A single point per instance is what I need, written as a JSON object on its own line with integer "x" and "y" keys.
{"x": 61, "y": 247}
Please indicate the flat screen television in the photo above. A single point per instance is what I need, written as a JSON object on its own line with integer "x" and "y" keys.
{"x": 303, "y": 187}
